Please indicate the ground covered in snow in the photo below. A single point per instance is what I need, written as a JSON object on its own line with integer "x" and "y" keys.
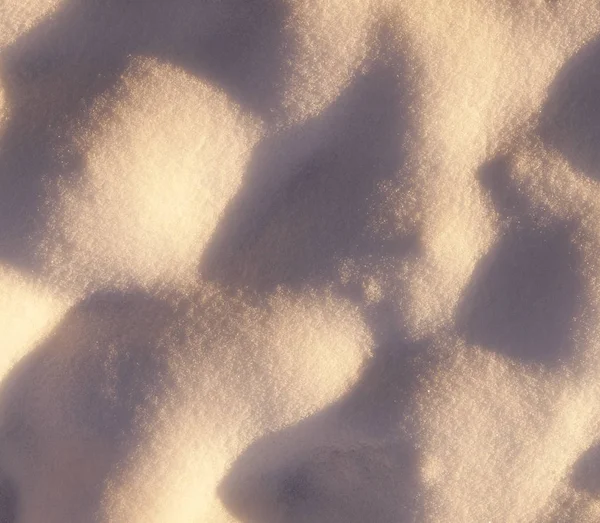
{"x": 299, "y": 261}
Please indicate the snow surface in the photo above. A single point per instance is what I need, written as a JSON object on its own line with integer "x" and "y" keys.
{"x": 299, "y": 261}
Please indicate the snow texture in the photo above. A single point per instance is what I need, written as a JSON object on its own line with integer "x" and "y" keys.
{"x": 299, "y": 261}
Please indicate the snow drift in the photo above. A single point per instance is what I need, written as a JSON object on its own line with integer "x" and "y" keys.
{"x": 299, "y": 261}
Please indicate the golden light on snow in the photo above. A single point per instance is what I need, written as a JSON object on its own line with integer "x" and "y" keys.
{"x": 294, "y": 260}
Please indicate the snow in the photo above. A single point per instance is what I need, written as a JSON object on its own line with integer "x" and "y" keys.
{"x": 299, "y": 261}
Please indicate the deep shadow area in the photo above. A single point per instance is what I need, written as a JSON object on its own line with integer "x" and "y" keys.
{"x": 310, "y": 193}
{"x": 69, "y": 409}
{"x": 355, "y": 461}
{"x": 523, "y": 294}
{"x": 570, "y": 119}
{"x": 586, "y": 472}
{"x": 8, "y": 501}
{"x": 53, "y": 74}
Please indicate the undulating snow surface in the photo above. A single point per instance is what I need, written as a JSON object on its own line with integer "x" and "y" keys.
{"x": 299, "y": 261}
